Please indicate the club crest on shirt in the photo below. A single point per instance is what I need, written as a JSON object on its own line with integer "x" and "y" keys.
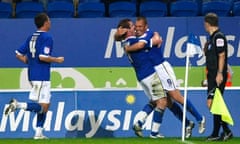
{"x": 46, "y": 50}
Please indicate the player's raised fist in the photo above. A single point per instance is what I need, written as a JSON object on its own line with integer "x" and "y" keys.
{"x": 60, "y": 59}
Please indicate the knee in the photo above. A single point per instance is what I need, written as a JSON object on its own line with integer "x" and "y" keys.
{"x": 45, "y": 108}
{"x": 161, "y": 103}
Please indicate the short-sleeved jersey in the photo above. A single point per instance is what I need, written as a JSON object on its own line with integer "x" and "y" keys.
{"x": 38, "y": 44}
{"x": 140, "y": 59}
{"x": 155, "y": 53}
{"x": 217, "y": 44}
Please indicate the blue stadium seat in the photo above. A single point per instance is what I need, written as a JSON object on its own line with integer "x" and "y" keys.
{"x": 233, "y": 1}
{"x": 153, "y": 9}
{"x": 28, "y": 9}
{"x": 220, "y": 7}
{"x": 83, "y": 1}
{"x": 91, "y": 10}
{"x": 49, "y": 1}
{"x": 236, "y": 8}
{"x": 122, "y": 9}
{"x": 5, "y": 10}
{"x": 184, "y": 8}
{"x": 28, "y": 0}
{"x": 60, "y": 9}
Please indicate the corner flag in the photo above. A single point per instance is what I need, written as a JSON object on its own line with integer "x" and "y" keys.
{"x": 219, "y": 107}
{"x": 193, "y": 46}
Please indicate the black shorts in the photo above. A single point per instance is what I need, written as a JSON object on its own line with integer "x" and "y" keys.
{"x": 212, "y": 85}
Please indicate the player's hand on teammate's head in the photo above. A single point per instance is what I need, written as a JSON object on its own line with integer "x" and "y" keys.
{"x": 122, "y": 31}
{"x": 60, "y": 59}
{"x": 120, "y": 34}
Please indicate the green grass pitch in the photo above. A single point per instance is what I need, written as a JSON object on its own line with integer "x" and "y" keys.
{"x": 116, "y": 141}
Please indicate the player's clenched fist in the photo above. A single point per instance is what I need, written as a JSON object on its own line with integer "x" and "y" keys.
{"x": 60, "y": 59}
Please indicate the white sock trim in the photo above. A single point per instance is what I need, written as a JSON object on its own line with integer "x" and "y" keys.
{"x": 22, "y": 105}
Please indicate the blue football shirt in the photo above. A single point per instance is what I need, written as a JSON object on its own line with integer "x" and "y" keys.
{"x": 140, "y": 59}
{"x": 38, "y": 44}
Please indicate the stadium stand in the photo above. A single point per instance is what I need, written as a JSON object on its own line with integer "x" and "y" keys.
{"x": 220, "y": 7}
{"x": 236, "y": 8}
{"x": 60, "y": 9}
{"x": 153, "y": 9}
{"x": 28, "y": 9}
{"x": 122, "y": 9}
{"x": 83, "y": 1}
{"x": 184, "y": 8}
{"x": 91, "y": 9}
{"x": 5, "y": 10}
{"x": 119, "y": 8}
{"x": 71, "y": 1}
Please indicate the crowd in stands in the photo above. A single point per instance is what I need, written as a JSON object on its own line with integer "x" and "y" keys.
{"x": 117, "y": 8}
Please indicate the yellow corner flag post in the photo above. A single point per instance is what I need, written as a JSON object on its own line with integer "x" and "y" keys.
{"x": 219, "y": 107}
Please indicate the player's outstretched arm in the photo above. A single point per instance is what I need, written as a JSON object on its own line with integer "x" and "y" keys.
{"x": 22, "y": 58}
{"x": 50, "y": 59}
{"x": 135, "y": 47}
{"x": 155, "y": 40}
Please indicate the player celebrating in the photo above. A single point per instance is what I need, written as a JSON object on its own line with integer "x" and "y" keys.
{"x": 36, "y": 53}
{"x": 165, "y": 73}
{"x": 147, "y": 77}
{"x": 144, "y": 68}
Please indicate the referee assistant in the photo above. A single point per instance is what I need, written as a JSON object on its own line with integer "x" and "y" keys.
{"x": 216, "y": 63}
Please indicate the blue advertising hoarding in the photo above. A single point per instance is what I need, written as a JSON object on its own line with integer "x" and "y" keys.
{"x": 104, "y": 113}
{"x": 89, "y": 42}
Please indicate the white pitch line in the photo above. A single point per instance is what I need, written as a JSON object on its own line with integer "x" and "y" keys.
{"x": 186, "y": 142}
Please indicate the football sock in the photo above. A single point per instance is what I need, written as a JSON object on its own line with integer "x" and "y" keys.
{"x": 40, "y": 123}
{"x": 157, "y": 119}
{"x": 38, "y": 131}
{"x": 178, "y": 113}
{"x": 35, "y": 107}
{"x": 193, "y": 111}
{"x": 22, "y": 105}
{"x": 148, "y": 108}
{"x": 216, "y": 124}
{"x": 41, "y": 119}
{"x": 142, "y": 117}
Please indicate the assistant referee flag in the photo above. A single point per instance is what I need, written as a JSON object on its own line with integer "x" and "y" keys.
{"x": 219, "y": 107}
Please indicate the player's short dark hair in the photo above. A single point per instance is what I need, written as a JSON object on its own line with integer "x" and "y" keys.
{"x": 124, "y": 23}
{"x": 211, "y": 18}
{"x": 40, "y": 19}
